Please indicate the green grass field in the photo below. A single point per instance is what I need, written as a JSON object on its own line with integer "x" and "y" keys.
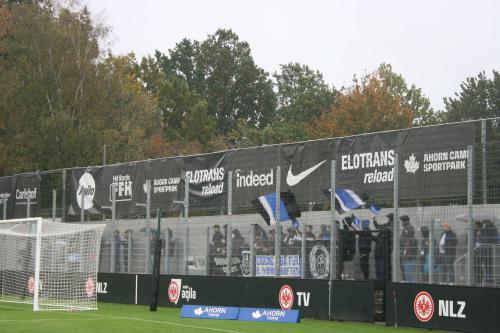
{"x": 135, "y": 318}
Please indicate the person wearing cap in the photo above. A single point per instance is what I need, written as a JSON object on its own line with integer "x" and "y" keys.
{"x": 409, "y": 253}
{"x": 447, "y": 249}
{"x": 383, "y": 244}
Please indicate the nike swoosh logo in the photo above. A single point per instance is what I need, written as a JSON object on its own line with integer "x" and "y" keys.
{"x": 292, "y": 180}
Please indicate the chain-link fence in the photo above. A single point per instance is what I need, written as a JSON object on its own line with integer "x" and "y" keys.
{"x": 261, "y": 231}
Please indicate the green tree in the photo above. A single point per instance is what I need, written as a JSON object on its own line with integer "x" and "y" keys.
{"x": 479, "y": 98}
{"x": 61, "y": 98}
{"x": 222, "y": 72}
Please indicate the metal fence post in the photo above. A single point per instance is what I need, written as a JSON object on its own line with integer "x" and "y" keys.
{"x": 5, "y": 208}
{"x": 147, "y": 252}
{"x": 277, "y": 235}
{"x": 113, "y": 229}
{"x": 303, "y": 252}
{"x": 395, "y": 245}
{"x": 484, "y": 175}
{"x": 470, "y": 229}
{"x": 207, "y": 254}
{"x": 186, "y": 251}
{"x": 186, "y": 198}
{"x": 333, "y": 236}
{"x": 167, "y": 250}
{"x": 113, "y": 202}
{"x": 63, "y": 196}
{"x": 28, "y": 206}
{"x": 129, "y": 252}
{"x": 431, "y": 251}
{"x": 82, "y": 207}
{"x": 252, "y": 250}
{"x": 229, "y": 243}
{"x": 54, "y": 204}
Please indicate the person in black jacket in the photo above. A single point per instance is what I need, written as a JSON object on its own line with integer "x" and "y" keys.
{"x": 409, "y": 253}
{"x": 383, "y": 246}
{"x": 425, "y": 254}
{"x": 447, "y": 250}
{"x": 365, "y": 247}
{"x": 485, "y": 239}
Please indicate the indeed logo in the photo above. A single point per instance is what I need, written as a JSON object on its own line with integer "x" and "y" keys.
{"x": 252, "y": 179}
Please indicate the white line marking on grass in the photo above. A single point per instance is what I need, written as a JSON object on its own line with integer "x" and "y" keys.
{"x": 55, "y": 319}
{"x": 117, "y": 318}
{"x": 168, "y": 323}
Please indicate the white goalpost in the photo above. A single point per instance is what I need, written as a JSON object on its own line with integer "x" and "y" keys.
{"x": 49, "y": 264}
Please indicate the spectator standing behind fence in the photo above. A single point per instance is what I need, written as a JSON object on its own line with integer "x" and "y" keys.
{"x": 447, "y": 249}
{"x": 292, "y": 241}
{"x": 485, "y": 239}
{"x": 238, "y": 242}
{"x": 117, "y": 246}
{"x": 405, "y": 221}
{"x": 309, "y": 233}
{"x": 217, "y": 240}
{"x": 409, "y": 252}
{"x": 365, "y": 247}
{"x": 382, "y": 242}
{"x": 424, "y": 253}
{"x": 324, "y": 233}
{"x": 347, "y": 243}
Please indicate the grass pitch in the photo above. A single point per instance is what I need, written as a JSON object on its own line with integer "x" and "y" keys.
{"x": 136, "y": 318}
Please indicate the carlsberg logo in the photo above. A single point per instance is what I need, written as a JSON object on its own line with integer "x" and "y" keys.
{"x": 252, "y": 179}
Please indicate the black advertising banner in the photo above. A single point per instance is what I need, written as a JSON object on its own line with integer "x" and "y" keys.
{"x": 432, "y": 163}
{"x": 365, "y": 164}
{"x": 308, "y": 296}
{"x": 165, "y": 178}
{"x": 116, "y": 288}
{"x": 455, "y": 308}
{"x": 17, "y": 189}
{"x": 254, "y": 173}
{"x": 306, "y": 169}
{"x": 88, "y": 190}
{"x": 207, "y": 176}
{"x": 433, "y": 160}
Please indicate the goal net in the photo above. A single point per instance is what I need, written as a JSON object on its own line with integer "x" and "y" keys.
{"x": 49, "y": 264}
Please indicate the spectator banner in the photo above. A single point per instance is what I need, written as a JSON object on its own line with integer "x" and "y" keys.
{"x": 219, "y": 265}
{"x": 433, "y": 163}
{"x": 289, "y": 266}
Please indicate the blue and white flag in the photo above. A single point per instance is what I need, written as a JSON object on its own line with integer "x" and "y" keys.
{"x": 347, "y": 199}
{"x": 266, "y": 206}
{"x": 374, "y": 209}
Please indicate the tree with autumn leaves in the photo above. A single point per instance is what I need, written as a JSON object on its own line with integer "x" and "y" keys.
{"x": 378, "y": 101}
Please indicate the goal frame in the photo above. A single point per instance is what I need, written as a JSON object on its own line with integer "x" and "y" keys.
{"x": 39, "y": 221}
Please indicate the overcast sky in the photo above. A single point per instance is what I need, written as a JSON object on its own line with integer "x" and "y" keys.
{"x": 434, "y": 44}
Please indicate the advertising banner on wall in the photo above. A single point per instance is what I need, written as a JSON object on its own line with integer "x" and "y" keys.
{"x": 432, "y": 163}
{"x": 455, "y": 308}
{"x": 17, "y": 190}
